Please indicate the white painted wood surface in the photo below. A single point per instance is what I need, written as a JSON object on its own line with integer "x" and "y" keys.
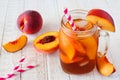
{"x": 51, "y": 11}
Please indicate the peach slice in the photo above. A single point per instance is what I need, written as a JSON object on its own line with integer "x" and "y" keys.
{"x": 66, "y": 46}
{"x": 68, "y": 25}
{"x": 75, "y": 21}
{"x": 67, "y": 60}
{"x": 16, "y": 45}
{"x": 80, "y": 24}
{"x": 90, "y": 44}
{"x": 102, "y": 19}
{"x": 71, "y": 47}
{"x": 104, "y": 66}
{"x": 47, "y": 42}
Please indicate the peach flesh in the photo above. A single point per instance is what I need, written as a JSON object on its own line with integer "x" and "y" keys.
{"x": 103, "y": 19}
{"x": 16, "y": 45}
{"x": 105, "y": 67}
{"x": 47, "y": 42}
{"x": 102, "y": 14}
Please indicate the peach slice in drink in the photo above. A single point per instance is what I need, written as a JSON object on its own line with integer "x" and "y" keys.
{"x": 78, "y": 47}
{"x": 67, "y": 60}
{"x": 71, "y": 46}
{"x": 66, "y": 46}
{"x": 90, "y": 45}
{"x": 68, "y": 25}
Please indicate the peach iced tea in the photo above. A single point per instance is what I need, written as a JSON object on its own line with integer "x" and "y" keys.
{"x": 78, "y": 48}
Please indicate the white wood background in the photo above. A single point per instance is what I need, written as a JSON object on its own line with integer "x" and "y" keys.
{"x": 51, "y": 11}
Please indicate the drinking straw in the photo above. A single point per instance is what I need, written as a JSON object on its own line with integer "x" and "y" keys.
{"x": 18, "y": 69}
{"x": 19, "y": 62}
{"x": 69, "y": 18}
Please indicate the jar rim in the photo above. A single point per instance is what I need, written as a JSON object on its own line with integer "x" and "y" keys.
{"x": 91, "y": 30}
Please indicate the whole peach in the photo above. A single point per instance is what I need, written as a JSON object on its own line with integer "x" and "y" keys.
{"x": 29, "y": 22}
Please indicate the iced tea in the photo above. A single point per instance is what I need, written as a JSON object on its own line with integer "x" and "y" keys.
{"x": 78, "y": 48}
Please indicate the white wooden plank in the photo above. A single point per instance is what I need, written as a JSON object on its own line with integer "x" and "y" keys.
{"x": 39, "y": 73}
{"x": 10, "y": 33}
{"x": 114, "y": 47}
{"x": 52, "y": 23}
{"x": 62, "y": 4}
{"x": 30, "y": 52}
{"x": 3, "y": 8}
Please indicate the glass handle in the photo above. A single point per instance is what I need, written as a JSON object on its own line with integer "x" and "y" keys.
{"x": 103, "y": 43}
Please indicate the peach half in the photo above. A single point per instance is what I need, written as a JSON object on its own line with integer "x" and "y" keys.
{"x": 103, "y": 19}
{"x": 47, "y": 42}
{"x": 104, "y": 66}
{"x": 16, "y": 45}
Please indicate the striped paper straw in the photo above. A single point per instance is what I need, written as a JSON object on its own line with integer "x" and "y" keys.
{"x": 18, "y": 69}
{"x": 69, "y": 18}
